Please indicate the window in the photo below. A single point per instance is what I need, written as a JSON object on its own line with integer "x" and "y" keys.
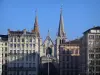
{"x": 67, "y": 58}
{"x": 97, "y": 56}
{"x": 91, "y": 36}
{"x": 76, "y": 51}
{"x": 15, "y": 40}
{"x": 18, "y": 57}
{"x": 33, "y": 57}
{"x": 11, "y": 40}
{"x": 33, "y": 51}
{"x": 14, "y": 51}
{"x": 33, "y": 64}
{"x": 10, "y": 51}
{"x": 14, "y": 64}
{"x": 63, "y": 51}
{"x": 68, "y": 52}
{"x": 91, "y": 50}
{"x": 26, "y": 39}
{"x": 27, "y": 45}
{"x": 22, "y": 64}
{"x": 91, "y": 62}
{"x": 97, "y": 37}
{"x": 63, "y": 65}
{"x": 72, "y": 51}
{"x": 30, "y": 51}
{"x": 27, "y": 51}
{"x": 97, "y": 68}
{"x": 18, "y": 39}
{"x": 90, "y": 43}
{"x": 11, "y": 58}
{"x": 18, "y": 45}
{"x": 63, "y": 58}
{"x": 33, "y": 45}
{"x": 5, "y": 44}
{"x": 60, "y": 41}
{"x": 6, "y": 49}
{"x": 34, "y": 40}
{"x": 17, "y": 64}
{"x": 91, "y": 56}
{"x": 6, "y": 55}
{"x": 96, "y": 42}
{"x": 15, "y": 45}
{"x": 18, "y": 51}
{"x": 23, "y": 45}
{"x": 44, "y": 49}
{"x": 23, "y": 51}
{"x": 97, "y": 50}
{"x": 22, "y": 39}
{"x": 30, "y": 40}
{"x": 97, "y": 62}
{"x": 26, "y": 58}
{"x": 91, "y": 68}
{"x": 30, "y": 45}
{"x": 29, "y": 64}
{"x": 11, "y": 45}
{"x": 30, "y": 58}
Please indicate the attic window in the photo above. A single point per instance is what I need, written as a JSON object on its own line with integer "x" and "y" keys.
{"x": 93, "y": 31}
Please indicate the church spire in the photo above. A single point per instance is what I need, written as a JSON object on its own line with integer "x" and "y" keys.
{"x": 36, "y": 28}
{"x": 61, "y": 32}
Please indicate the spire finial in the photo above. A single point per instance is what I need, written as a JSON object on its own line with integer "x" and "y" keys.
{"x": 36, "y": 12}
{"x": 61, "y": 5}
{"x": 48, "y": 33}
{"x": 61, "y": 8}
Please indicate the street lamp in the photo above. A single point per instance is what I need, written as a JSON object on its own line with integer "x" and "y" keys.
{"x": 48, "y": 62}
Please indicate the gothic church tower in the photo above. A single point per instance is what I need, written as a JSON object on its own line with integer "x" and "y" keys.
{"x": 61, "y": 36}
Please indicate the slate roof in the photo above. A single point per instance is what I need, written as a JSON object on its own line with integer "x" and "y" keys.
{"x": 20, "y": 32}
{"x": 72, "y": 42}
{"x": 94, "y": 28}
{"x": 4, "y": 37}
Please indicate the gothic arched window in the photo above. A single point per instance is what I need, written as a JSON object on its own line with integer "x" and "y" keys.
{"x": 49, "y": 51}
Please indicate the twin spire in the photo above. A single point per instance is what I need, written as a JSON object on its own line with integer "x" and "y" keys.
{"x": 61, "y": 32}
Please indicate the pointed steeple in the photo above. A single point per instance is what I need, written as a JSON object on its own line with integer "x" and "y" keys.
{"x": 36, "y": 28}
{"x": 61, "y": 32}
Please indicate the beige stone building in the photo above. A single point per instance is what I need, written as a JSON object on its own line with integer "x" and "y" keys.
{"x": 3, "y": 54}
{"x": 20, "y": 51}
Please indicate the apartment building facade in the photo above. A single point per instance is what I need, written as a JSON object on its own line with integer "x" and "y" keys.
{"x": 20, "y": 51}
{"x": 69, "y": 58}
{"x": 3, "y": 54}
{"x": 90, "y": 52}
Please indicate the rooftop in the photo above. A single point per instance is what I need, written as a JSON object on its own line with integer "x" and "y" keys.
{"x": 94, "y": 28}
